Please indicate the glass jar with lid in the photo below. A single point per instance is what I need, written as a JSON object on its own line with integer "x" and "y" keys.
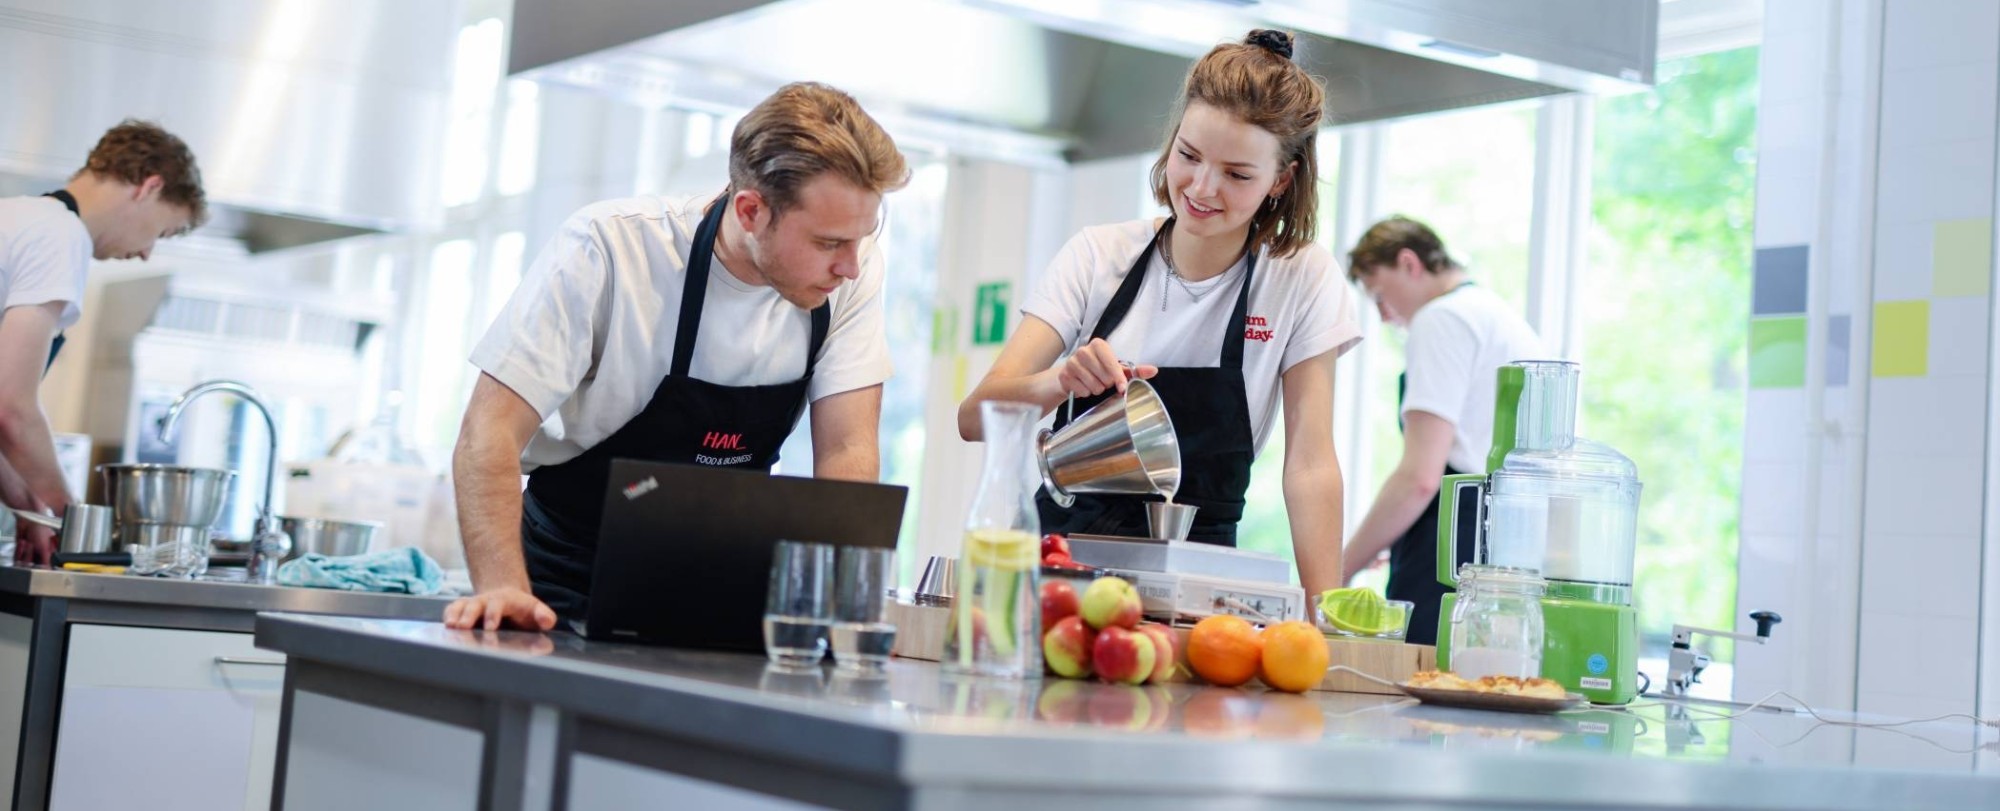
{"x": 1496, "y": 626}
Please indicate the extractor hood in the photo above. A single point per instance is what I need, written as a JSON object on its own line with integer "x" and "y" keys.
{"x": 311, "y": 119}
{"x": 1079, "y": 79}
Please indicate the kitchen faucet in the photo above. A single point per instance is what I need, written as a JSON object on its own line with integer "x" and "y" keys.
{"x": 271, "y": 544}
{"x": 1685, "y": 662}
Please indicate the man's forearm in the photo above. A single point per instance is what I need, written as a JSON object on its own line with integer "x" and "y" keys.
{"x": 29, "y": 447}
{"x": 855, "y": 462}
{"x": 1396, "y": 509}
{"x": 487, "y": 482}
{"x": 1313, "y": 505}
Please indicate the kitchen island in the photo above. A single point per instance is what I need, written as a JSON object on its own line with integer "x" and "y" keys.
{"x": 120, "y": 691}
{"x": 397, "y": 714}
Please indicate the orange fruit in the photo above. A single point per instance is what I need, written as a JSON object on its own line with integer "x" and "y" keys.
{"x": 1224, "y": 650}
{"x": 1295, "y": 656}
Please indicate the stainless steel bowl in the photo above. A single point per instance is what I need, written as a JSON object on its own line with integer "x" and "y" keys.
{"x": 328, "y": 537}
{"x": 165, "y": 494}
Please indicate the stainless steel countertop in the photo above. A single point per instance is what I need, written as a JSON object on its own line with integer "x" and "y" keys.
{"x": 216, "y": 592}
{"x": 920, "y": 726}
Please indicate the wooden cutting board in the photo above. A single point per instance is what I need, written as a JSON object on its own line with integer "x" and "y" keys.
{"x": 920, "y": 635}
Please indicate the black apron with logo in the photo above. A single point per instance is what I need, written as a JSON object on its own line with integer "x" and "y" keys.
{"x": 1413, "y": 558}
{"x": 69, "y": 201}
{"x": 688, "y": 421}
{"x": 1211, "y": 413}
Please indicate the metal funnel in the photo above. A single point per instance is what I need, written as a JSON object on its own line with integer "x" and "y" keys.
{"x": 1124, "y": 445}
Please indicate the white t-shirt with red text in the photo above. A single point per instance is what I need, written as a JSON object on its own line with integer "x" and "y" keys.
{"x": 1300, "y": 307}
{"x": 589, "y": 334}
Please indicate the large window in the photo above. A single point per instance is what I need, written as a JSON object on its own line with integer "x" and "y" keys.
{"x": 1471, "y": 177}
{"x": 1663, "y": 320}
{"x": 1265, "y": 526}
{"x": 916, "y": 214}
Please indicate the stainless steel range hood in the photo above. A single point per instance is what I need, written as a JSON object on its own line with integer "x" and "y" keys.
{"x": 312, "y": 119}
{"x": 1080, "y": 78}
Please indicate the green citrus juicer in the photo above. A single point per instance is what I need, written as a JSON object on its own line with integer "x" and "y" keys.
{"x": 1562, "y": 505}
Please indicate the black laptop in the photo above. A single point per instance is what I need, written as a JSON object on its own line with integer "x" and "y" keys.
{"x": 684, "y": 552}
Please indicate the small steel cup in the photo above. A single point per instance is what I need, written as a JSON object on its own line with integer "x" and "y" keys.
{"x": 939, "y": 582}
{"x": 86, "y": 529}
{"x": 1168, "y": 521}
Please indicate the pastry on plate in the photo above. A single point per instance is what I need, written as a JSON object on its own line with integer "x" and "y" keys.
{"x": 1510, "y": 686}
{"x": 1498, "y": 685}
{"x": 1438, "y": 680}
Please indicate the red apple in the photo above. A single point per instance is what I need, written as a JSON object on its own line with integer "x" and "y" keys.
{"x": 978, "y": 625}
{"x": 1122, "y": 656}
{"x": 1111, "y": 602}
{"x": 1053, "y": 542}
{"x": 1068, "y": 648}
{"x": 1164, "y": 656}
{"x": 1058, "y": 600}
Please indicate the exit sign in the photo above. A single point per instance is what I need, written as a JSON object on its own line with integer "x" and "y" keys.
{"x": 989, "y": 313}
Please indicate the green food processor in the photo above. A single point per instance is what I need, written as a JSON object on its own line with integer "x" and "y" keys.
{"x": 1566, "y": 507}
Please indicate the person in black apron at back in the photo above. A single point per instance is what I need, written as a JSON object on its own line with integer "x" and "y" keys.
{"x": 1459, "y": 333}
{"x": 1227, "y": 307}
{"x": 139, "y": 185}
{"x": 693, "y": 332}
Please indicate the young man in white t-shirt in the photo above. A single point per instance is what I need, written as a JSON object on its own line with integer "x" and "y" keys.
{"x": 694, "y": 332}
{"x": 1459, "y": 333}
{"x": 139, "y": 184}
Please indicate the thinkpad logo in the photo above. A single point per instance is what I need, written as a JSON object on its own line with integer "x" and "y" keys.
{"x": 641, "y": 487}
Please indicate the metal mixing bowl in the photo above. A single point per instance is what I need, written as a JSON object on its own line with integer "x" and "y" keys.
{"x": 328, "y": 537}
{"x": 165, "y": 494}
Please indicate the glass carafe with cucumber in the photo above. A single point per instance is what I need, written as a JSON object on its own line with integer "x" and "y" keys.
{"x": 995, "y": 624}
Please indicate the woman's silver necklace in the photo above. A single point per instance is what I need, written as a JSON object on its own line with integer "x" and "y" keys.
{"x": 1167, "y": 256}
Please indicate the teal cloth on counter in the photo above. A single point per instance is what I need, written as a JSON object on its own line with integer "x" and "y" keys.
{"x": 395, "y": 571}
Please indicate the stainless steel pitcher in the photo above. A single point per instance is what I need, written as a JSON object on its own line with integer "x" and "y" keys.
{"x": 1125, "y": 444}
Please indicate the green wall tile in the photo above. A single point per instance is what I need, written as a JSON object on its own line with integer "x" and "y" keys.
{"x": 1902, "y": 338}
{"x": 1778, "y": 352}
{"x": 1962, "y": 257}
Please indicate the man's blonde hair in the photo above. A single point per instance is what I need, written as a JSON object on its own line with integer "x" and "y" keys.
{"x": 803, "y": 130}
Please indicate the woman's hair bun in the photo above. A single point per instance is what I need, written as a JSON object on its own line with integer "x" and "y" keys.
{"x": 1277, "y": 42}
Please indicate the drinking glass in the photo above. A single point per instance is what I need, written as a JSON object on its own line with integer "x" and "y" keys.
{"x": 862, "y": 633}
{"x": 799, "y": 606}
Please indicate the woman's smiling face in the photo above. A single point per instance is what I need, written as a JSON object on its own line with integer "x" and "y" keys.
{"x": 1221, "y": 171}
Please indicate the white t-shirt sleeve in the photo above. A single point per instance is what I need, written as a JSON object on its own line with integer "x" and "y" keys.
{"x": 546, "y": 339}
{"x": 1063, "y": 297}
{"x": 856, "y": 354}
{"x": 1326, "y": 322}
{"x": 48, "y": 266}
{"x": 1442, "y": 355}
